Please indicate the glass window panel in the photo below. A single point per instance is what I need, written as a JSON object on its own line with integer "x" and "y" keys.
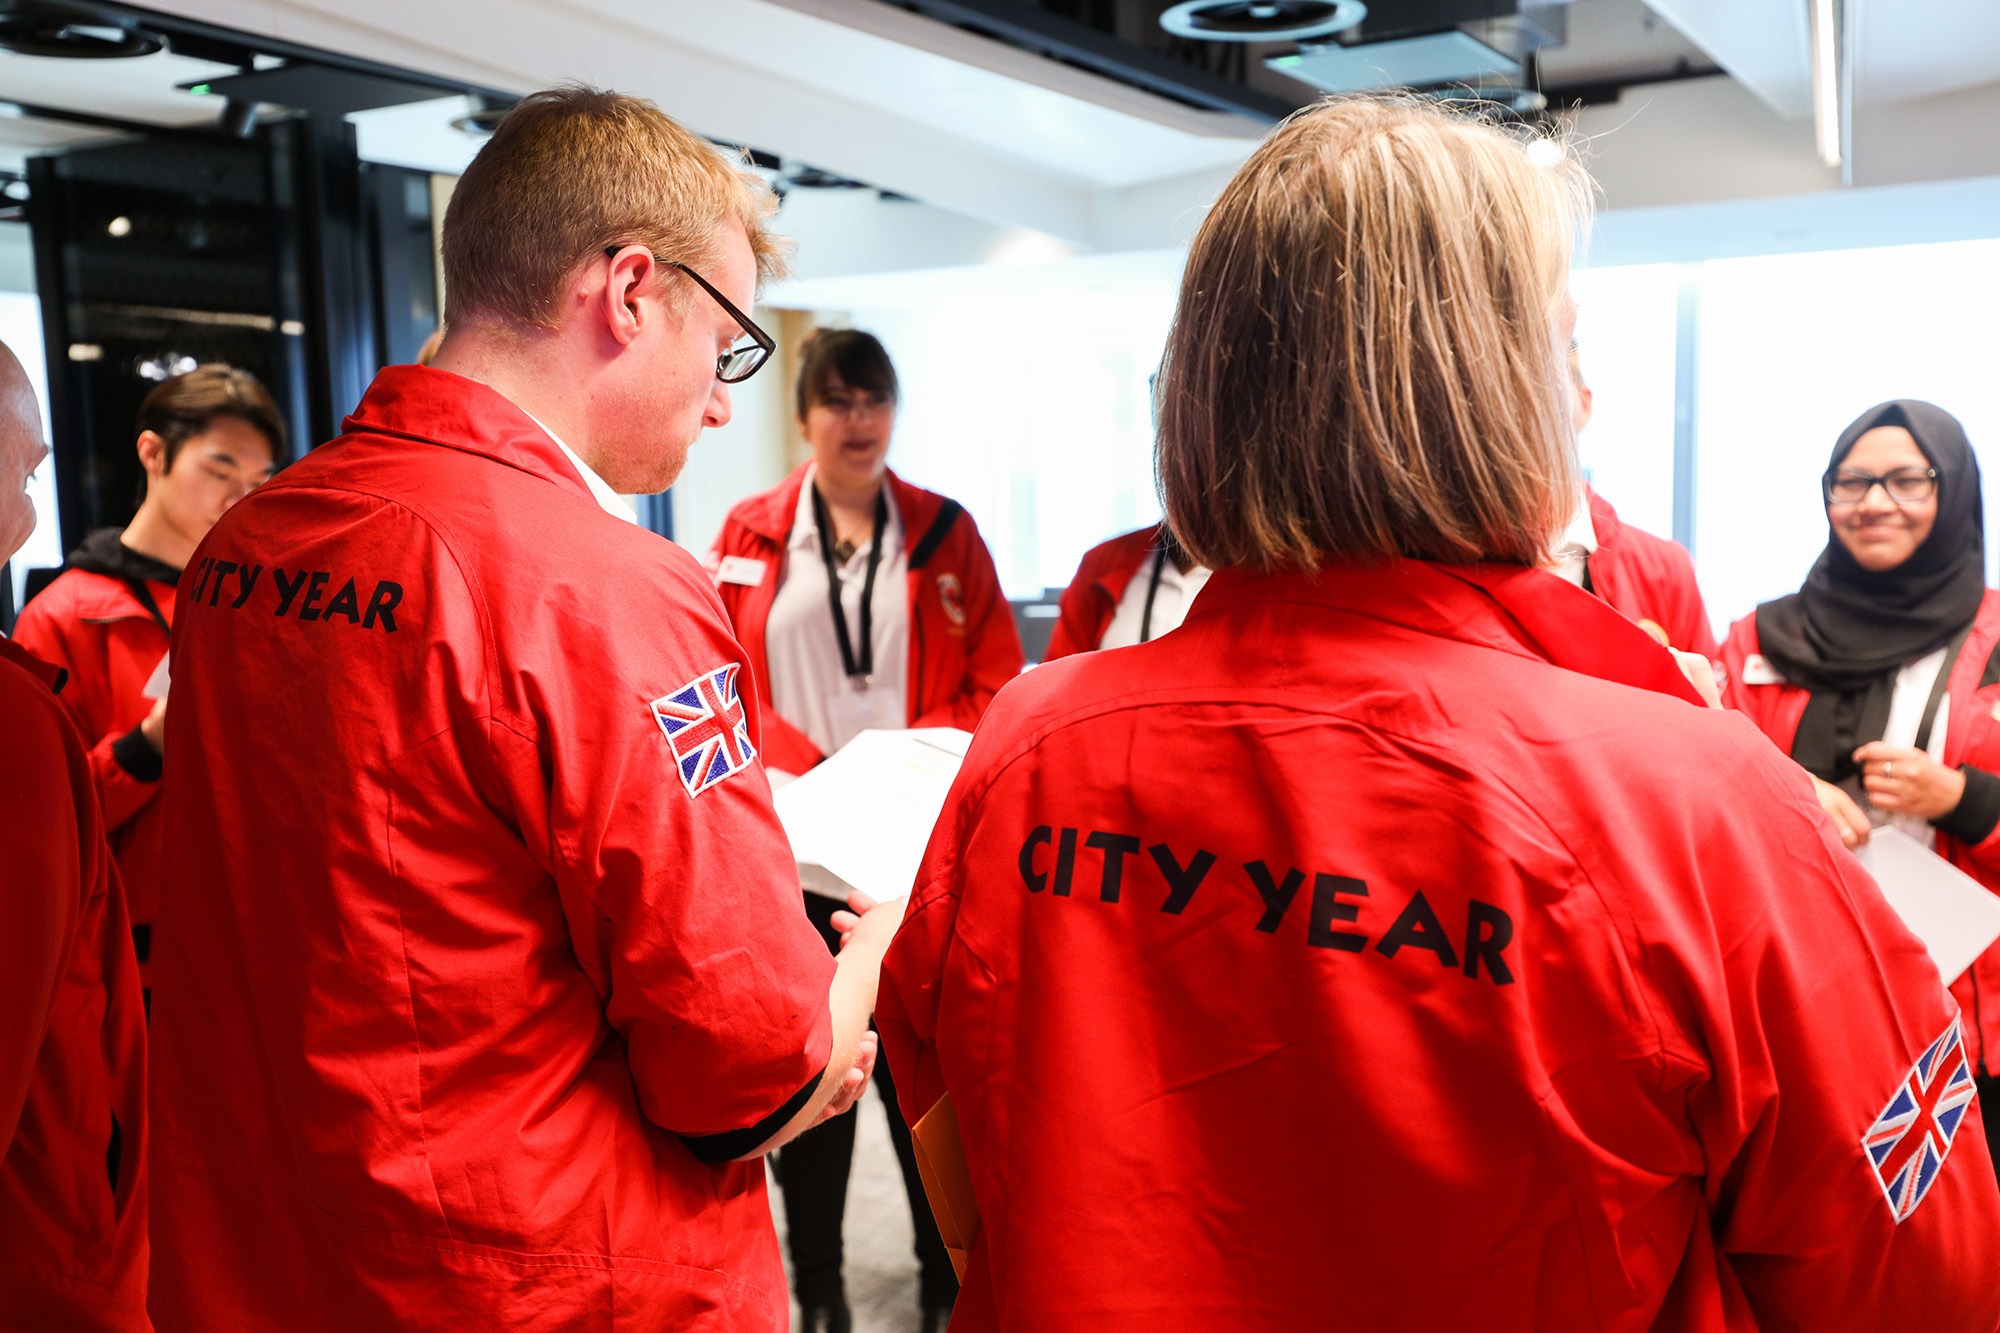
{"x": 1625, "y": 332}
{"x": 1793, "y": 347}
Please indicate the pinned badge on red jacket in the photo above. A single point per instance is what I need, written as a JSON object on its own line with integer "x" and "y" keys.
{"x": 1907, "y": 1144}
{"x": 949, "y": 596}
{"x": 706, "y": 728}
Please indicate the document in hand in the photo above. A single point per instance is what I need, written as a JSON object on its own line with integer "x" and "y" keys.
{"x": 1953, "y": 914}
{"x": 863, "y": 816}
{"x": 947, "y": 1180}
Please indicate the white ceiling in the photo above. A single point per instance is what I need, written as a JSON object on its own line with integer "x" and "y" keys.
{"x": 853, "y": 86}
{"x": 971, "y": 126}
{"x": 1899, "y": 49}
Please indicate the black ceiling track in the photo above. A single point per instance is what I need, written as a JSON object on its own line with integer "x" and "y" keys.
{"x": 1079, "y": 44}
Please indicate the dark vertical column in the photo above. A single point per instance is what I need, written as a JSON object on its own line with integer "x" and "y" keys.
{"x": 1687, "y": 400}
{"x": 340, "y": 290}
{"x": 399, "y": 210}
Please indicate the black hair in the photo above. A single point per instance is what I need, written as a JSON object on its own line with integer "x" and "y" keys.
{"x": 858, "y": 358}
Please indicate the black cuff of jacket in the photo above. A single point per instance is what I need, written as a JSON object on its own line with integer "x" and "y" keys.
{"x": 1978, "y": 810}
{"x": 732, "y": 1144}
{"x": 136, "y": 755}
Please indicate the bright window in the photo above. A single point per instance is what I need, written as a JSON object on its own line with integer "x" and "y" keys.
{"x": 1035, "y": 418}
{"x": 1793, "y": 347}
{"x": 1625, "y": 333}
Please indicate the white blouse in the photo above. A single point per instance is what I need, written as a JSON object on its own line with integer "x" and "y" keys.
{"x": 810, "y": 687}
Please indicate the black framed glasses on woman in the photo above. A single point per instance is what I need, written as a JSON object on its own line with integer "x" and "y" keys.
{"x": 1905, "y": 486}
{"x": 739, "y": 363}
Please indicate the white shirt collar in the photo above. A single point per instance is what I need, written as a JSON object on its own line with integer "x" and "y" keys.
{"x": 610, "y": 501}
{"x": 1577, "y": 544}
{"x": 805, "y": 529}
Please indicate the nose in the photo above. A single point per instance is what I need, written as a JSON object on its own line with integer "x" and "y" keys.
{"x": 718, "y": 410}
{"x": 1876, "y": 504}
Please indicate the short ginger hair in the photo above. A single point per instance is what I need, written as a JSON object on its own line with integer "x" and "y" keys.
{"x": 571, "y": 171}
{"x": 1364, "y": 361}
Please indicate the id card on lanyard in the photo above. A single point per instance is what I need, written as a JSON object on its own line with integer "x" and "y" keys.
{"x": 856, "y": 707}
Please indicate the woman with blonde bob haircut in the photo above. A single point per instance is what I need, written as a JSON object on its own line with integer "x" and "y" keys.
{"x": 1386, "y": 948}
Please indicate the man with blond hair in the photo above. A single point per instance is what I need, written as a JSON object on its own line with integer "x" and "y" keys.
{"x": 483, "y": 979}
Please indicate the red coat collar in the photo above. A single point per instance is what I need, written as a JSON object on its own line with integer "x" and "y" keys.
{"x": 438, "y": 407}
{"x": 1528, "y": 612}
{"x": 48, "y": 673}
{"x": 770, "y": 515}
{"x": 1604, "y": 520}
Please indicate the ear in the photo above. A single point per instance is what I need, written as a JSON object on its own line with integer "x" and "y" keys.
{"x": 633, "y": 270}
{"x": 152, "y": 453}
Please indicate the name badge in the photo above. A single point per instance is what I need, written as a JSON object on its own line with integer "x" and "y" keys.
{"x": 741, "y": 569}
{"x": 1757, "y": 671}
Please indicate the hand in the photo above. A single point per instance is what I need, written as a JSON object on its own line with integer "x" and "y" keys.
{"x": 154, "y": 728}
{"x": 1848, "y": 820}
{"x": 874, "y": 923}
{"x": 1701, "y": 674}
{"x": 854, "y": 1082}
{"x": 1906, "y": 781}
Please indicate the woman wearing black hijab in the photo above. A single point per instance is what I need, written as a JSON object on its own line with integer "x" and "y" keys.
{"x": 1881, "y": 676}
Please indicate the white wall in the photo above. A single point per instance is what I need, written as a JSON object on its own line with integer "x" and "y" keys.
{"x": 1697, "y": 141}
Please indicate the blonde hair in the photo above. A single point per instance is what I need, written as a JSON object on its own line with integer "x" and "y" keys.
{"x": 1364, "y": 362}
{"x": 573, "y": 170}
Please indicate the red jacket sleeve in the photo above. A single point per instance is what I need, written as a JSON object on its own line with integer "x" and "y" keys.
{"x": 1078, "y": 629}
{"x": 121, "y": 795}
{"x": 906, "y": 1005}
{"x": 51, "y": 857}
{"x": 1691, "y": 629}
{"x": 1812, "y": 1016}
{"x": 682, "y": 896}
{"x": 993, "y": 645}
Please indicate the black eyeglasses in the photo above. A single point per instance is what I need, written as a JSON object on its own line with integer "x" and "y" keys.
{"x": 1903, "y": 487}
{"x": 739, "y": 363}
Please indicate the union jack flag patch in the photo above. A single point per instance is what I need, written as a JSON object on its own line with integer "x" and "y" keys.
{"x": 1906, "y": 1145}
{"x": 706, "y": 728}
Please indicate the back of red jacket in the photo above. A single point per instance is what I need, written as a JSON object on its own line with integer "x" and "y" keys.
{"x": 72, "y": 1044}
{"x": 1370, "y": 953}
{"x": 483, "y": 950}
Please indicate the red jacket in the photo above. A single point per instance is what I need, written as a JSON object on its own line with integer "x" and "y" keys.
{"x": 91, "y": 625}
{"x": 1369, "y": 952}
{"x": 1649, "y": 579}
{"x": 481, "y": 946}
{"x": 73, "y": 1039}
{"x": 1972, "y": 736}
{"x": 1091, "y": 600}
{"x": 963, "y": 644}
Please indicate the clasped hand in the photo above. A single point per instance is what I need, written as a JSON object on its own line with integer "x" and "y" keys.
{"x": 1900, "y": 780}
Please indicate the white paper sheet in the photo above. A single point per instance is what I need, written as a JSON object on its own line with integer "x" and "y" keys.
{"x": 1953, "y": 914}
{"x": 863, "y": 817}
{"x": 157, "y": 683}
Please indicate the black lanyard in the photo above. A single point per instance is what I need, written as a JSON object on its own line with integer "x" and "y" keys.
{"x": 865, "y": 665}
{"x": 1938, "y": 689}
{"x": 1152, "y": 591}
{"x": 145, "y": 596}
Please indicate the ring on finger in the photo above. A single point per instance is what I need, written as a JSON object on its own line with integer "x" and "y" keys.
{"x": 1888, "y": 767}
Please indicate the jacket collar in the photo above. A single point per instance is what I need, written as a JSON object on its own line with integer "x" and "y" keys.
{"x": 1527, "y": 612}
{"x": 48, "y": 673}
{"x": 438, "y": 407}
{"x": 770, "y": 515}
